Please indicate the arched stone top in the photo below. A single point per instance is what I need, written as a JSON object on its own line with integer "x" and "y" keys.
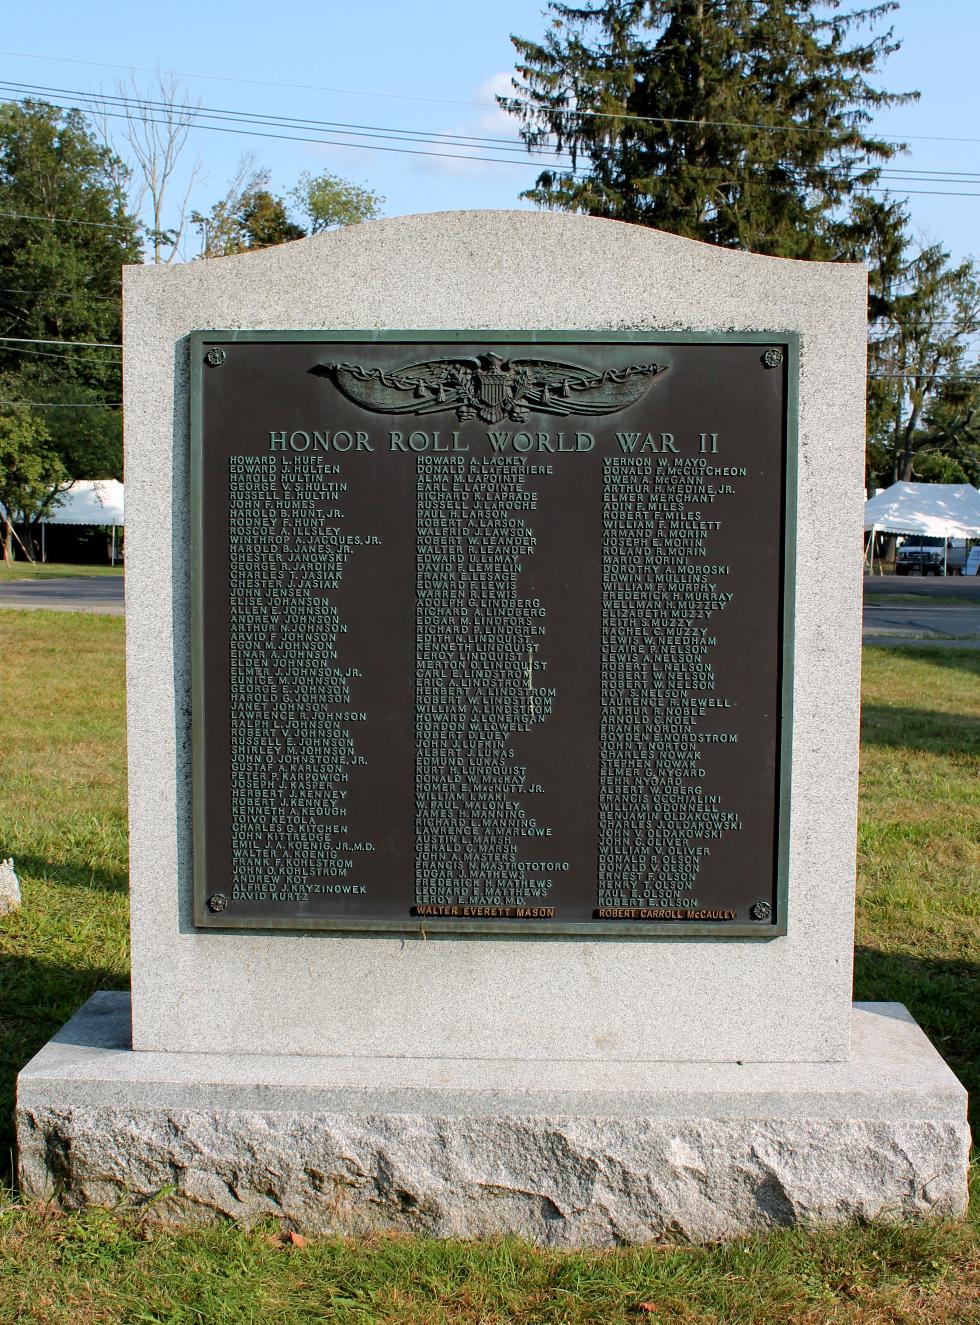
{"x": 505, "y": 269}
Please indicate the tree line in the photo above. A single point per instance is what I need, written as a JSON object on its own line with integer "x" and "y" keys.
{"x": 743, "y": 123}
{"x": 748, "y": 123}
{"x": 69, "y": 206}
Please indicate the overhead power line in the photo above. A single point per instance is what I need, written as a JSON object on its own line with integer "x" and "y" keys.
{"x": 148, "y": 104}
{"x": 450, "y": 101}
{"x": 371, "y": 138}
{"x": 69, "y": 294}
{"x": 66, "y": 220}
{"x": 85, "y": 344}
{"x": 145, "y": 105}
{"x": 331, "y": 142}
{"x": 933, "y": 193}
{"x": 40, "y": 354}
{"x": 99, "y": 103}
{"x": 142, "y": 104}
{"x": 377, "y": 138}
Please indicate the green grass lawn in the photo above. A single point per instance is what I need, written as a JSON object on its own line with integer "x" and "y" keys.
{"x": 51, "y": 570}
{"x": 63, "y": 817}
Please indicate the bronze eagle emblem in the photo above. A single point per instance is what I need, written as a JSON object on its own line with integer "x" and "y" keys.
{"x": 490, "y": 387}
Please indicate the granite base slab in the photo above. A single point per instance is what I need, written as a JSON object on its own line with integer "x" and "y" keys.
{"x": 571, "y": 1153}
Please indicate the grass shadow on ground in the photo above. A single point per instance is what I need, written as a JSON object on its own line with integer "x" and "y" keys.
{"x": 100, "y": 879}
{"x": 935, "y": 655}
{"x": 920, "y": 729}
{"x": 37, "y": 998}
{"x": 942, "y": 995}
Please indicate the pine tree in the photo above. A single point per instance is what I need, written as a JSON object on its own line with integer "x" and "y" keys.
{"x": 743, "y": 123}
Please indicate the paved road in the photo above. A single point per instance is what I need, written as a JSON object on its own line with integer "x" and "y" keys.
{"x": 86, "y": 593}
{"x": 923, "y": 586}
{"x": 937, "y": 621}
{"x": 915, "y": 609}
{"x": 917, "y": 615}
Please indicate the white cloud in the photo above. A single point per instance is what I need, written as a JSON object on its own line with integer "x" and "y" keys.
{"x": 493, "y": 120}
{"x": 454, "y": 157}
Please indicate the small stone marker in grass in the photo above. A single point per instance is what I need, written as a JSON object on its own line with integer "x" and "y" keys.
{"x": 10, "y": 898}
{"x": 492, "y": 768}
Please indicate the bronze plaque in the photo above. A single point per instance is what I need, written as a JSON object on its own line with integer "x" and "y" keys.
{"x": 490, "y": 632}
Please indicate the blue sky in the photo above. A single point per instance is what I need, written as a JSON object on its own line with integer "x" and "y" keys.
{"x": 433, "y": 66}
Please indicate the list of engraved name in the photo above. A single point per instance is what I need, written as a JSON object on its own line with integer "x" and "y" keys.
{"x": 661, "y": 594}
{"x": 482, "y": 844}
{"x": 294, "y": 720}
{"x": 478, "y": 641}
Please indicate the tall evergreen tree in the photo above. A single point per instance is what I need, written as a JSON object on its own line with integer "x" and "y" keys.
{"x": 743, "y": 123}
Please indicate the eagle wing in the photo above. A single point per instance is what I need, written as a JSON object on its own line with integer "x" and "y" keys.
{"x": 563, "y": 388}
{"x": 419, "y": 388}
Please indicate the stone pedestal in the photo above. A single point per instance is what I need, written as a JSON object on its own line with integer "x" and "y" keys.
{"x": 569, "y": 1153}
{"x": 576, "y": 1091}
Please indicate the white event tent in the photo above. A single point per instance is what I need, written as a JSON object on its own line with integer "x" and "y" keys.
{"x": 97, "y": 501}
{"x": 938, "y": 510}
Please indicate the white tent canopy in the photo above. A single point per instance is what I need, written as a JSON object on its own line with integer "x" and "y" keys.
{"x": 940, "y": 510}
{"x": 90, "y": 501}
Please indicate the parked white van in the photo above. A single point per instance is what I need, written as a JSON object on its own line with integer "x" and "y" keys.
{"x": 921, "y": 554}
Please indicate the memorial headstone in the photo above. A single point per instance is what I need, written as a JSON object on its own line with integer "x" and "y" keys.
{"x": 493, "y": 671}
